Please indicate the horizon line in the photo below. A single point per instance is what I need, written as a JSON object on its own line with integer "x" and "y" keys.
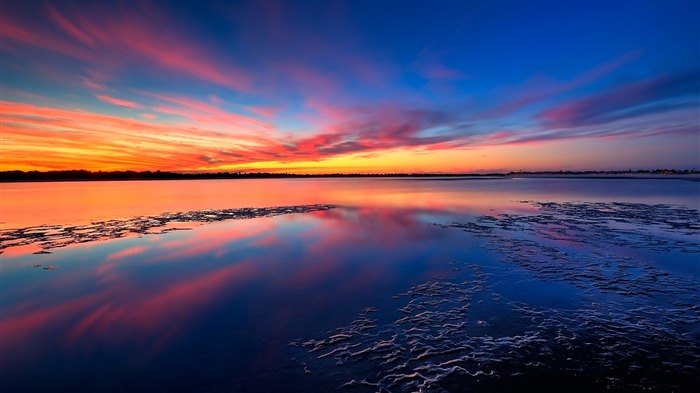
{"x": 7, "y": 176}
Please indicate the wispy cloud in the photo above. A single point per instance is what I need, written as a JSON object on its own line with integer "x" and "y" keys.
{"x": 658, "y": 94}
{"x": 61, "y": 138}
{"x": 117, "y": 37}
{"x": 117, "y": 101}
{"x": 271, "y": 90}
{"x": 205, "y": 113}
{"x": 215, "y": 138}
{"x": 540, "y": 89}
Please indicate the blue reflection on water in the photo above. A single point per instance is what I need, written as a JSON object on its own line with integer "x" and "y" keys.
{"x": 216, "y": 305}
{"x": 215, "y": 308}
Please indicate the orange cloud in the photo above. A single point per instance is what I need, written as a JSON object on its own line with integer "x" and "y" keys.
{"x": 33, "y": 138}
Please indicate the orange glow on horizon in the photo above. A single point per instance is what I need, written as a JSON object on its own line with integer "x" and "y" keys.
{"x": 45, "y": 138}
{"x": 112, "y": 86}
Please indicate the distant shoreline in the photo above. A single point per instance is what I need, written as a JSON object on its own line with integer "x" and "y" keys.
{"x": 82, "y": 175}
{"x": 688, "y": 176}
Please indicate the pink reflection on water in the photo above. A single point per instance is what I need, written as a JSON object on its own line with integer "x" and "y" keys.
{"x": 76, "y": 203}
{"x": 121, "y": 310}
{"x": 20, "y": 328}
{"x": 157, "y": 317}
{"x": 129, "y": 252}
{"x": 210, "y": 238}
{"x": 125, "y": 307}
{"x": 358, "y": 247}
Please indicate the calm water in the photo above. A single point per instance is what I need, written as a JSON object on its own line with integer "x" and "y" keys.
{"x": 407, "y": 285}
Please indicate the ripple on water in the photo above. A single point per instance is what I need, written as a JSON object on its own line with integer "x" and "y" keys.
{"x": 635, "y": 326}
{"x": 55, "y": 236}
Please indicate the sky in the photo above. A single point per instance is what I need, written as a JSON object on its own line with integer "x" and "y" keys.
{"x": 354, "y": 86}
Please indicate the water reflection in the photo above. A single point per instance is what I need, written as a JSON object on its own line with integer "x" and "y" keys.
{"x": 454, "y": 282}
{"x": 597, "y": 304}
{"x": 78, "y": 203}
{"x": 244, "y": 283}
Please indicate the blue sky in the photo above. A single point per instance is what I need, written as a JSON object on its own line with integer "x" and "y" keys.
{"x": 368, "y": 86}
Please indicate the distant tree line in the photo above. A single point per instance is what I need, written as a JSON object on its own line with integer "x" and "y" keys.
{"x": 627, "y": 172}
{"x": 84, "y": 175}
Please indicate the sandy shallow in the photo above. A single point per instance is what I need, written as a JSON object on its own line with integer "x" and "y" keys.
{"x": 46, "y": 237}
{"x": 627, "y": 324}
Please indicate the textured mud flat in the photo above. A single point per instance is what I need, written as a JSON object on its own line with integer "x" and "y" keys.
{"x": 628, "y": 324}
{"x": 53, "y": 236}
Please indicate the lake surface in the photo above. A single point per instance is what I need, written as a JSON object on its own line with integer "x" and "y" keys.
{"x": 351, "y": 284}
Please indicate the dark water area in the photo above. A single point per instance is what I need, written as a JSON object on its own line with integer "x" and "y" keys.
{"x": 394, "y": 285}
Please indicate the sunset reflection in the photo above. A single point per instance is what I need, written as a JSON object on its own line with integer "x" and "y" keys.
{"x": 154, "y": 289}
{"x": 233, "y": 293}
{"x": 82, "y": 203}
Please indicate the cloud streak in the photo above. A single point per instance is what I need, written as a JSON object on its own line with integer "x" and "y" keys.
{"x": 216, "y": 138}
{"x": 116, "y": 38}
{"x": 117, "y": 101}
{"x": 255, "y": 85}
{"x": 658, "y": 94}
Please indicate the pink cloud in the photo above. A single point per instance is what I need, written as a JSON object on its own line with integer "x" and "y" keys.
{"x": 442, "y": 72}
{"x": 294, "y": 41}
{"x": 329, "y": 113}
{"x": 13, "y": 33}
{"x": 308, "y": 79}
{"x": 69, "y": 27}
{"x": 216, "y": 100}
{"x": 538, "y": 89}
{"x": 264, "y": 111}
{"x": 95, "y": 80}
{"x": 9, "y": 92}
{"x": 215, "y": 137}
{"x": 117, "y": 101}
{"x": 206, "y": 113}
{"x": 114, "y": 38}
{"x": 92, "y": 85}
{"x": 625, "y": 101}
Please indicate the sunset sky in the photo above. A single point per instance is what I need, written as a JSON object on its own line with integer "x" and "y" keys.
{"x": 350, "y": 86}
